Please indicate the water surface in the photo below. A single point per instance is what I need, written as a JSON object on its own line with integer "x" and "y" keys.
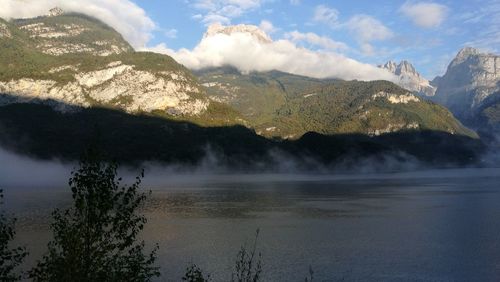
{"x": 425, "y": 226}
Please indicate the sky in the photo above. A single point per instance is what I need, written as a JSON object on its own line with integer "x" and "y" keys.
{"x": 344, "y": 39}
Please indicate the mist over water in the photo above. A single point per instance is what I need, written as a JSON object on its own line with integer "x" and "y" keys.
{"x": 22, "y": 171}
{"x": 412, "y": 225}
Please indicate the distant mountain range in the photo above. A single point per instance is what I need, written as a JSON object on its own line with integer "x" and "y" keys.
{"x": 470, "y": 88}
{"x": 72, "y": 65}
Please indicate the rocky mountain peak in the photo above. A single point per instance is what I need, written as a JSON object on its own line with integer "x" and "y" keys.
{"x": 463, "y": 55}
{"x": 472, "y": 78}
{"x": 253, "y": 30}
{"x": 467, "y": 51}
{"x": 390, "y": 66}
{"x": 406, "y": 67}
{"x": 409, "y": 78}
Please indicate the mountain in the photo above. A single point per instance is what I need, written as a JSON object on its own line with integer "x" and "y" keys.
{"x": 80, "y": 61}
{"x": 470, "y": 88}
{"x": 409, "y": 78}
{"x": 287, "y": 106}
{"x": 258, "y": 96}
{"x": 66, "y": 79}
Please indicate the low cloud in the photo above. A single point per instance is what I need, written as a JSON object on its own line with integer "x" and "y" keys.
{"x": 123, "y": 15}
{"x": 245, "y": 51}
{"x": 425, "y": 14}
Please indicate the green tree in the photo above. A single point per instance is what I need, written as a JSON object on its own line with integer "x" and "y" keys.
{"x": 96, "y": 239}
{"x": 10, "y": 258}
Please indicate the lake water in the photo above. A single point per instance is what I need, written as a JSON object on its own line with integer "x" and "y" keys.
{"x": 426, "y": 226}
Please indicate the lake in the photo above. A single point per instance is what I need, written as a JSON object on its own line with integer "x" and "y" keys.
{"x": 441, "y": 225}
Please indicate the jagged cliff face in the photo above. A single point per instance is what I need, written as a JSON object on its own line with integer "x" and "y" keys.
{"x": 471, "y": 77}
{"x": 117, "y": 85}
{"x": 470, "y": 84}
{"x": 78, "y": 61}
{"x": 409, "y": 78}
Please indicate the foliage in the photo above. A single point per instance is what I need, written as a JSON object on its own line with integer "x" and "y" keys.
{"x": 96, "y": 239}
{"x": 248, "y": 267}
{"x": 288, "y": 106}
{"x": 256, "y": 95}
{"x": 10, "y": 259}
{"x": 46, "y": 133}
{"x": 195, "y": 274}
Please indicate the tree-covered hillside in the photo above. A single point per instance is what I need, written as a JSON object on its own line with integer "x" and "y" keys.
{"x": 287, "y": 106}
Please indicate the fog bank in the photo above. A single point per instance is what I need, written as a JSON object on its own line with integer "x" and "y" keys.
{"x": 22, "y": 171}
{"x": 18, "y": 171}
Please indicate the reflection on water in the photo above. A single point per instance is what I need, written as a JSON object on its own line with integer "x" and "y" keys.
{"x": 441, "y": 226}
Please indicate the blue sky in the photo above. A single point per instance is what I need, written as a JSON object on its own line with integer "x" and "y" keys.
{"x": 344, "y": 39}
{"x": 429, "y": 45}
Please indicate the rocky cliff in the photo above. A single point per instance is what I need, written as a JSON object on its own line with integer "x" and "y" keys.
{"x": 76, "y": 60}
{"x": 409, "y": 78}
{"x": 470, "y": 85}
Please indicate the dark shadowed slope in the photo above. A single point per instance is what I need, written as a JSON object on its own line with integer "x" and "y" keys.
{"x": 38, "y": 130}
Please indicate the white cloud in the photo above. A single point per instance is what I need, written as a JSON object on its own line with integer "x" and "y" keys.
{"x": 314, "y": 39}
{"x": 123, "y": 15}
{"x": 267, "y": 27}
{"x": 364, "y": 28}
{"x": 326, "y": 15}
{"x": 171, "y": 33}
{"x": 425, "y": 14}
{"x": 295, "y": 2}
{"x": 246, "y": 52}
{"x": 367, "y": 29}
{"x": 214, "y": 18}
{"x": 222, "y": 11}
